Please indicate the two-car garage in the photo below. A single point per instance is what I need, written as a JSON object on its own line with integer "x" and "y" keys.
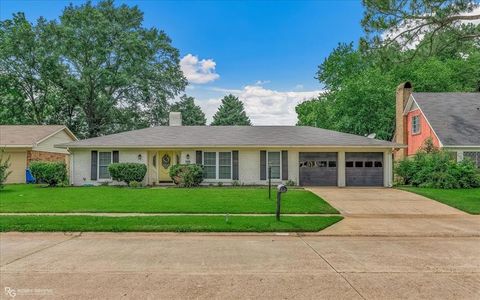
{"x": 321, "y": 168}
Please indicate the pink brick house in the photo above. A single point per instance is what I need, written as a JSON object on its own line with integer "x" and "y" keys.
{"x": 451, "y": 120}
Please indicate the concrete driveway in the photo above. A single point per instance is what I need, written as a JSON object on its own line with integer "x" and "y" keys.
{"x": 392, "y": 212}
{"x": 196, "y": 266}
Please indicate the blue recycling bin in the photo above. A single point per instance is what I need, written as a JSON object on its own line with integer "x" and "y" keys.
{"x": 29, "y": 177}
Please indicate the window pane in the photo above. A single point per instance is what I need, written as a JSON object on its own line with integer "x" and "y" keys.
{"x": 274, "y": 158}
{"x": 224, "y": 172}
{"x": 275, "y": 172}
{"x": 359, "y": 164}
{"x": 209, "y": 172}
{"x": 332, "y": 164}
{"x": 321, "y": 164}
{"x": 225, "y": 158}
{"x": 378, "y": 164}
{"x": 349, "y": 164}
{"x": 103, "y": 172}
{"x": 104, "y": 159}
{"x": 368, "y": 164}
{"x": 209, "y": 158}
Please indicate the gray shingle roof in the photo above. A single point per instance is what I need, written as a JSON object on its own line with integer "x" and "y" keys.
{"x": 455, "y": 117}
{"x": 23, "y": 135}
{"x": 236, "y": 136}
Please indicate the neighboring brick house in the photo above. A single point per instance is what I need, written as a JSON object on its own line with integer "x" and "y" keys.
{"x": 451, "y": 120}
{"x": 26, "y": 143}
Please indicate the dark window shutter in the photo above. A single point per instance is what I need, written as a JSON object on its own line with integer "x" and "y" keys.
{"x": 198, "y": 157}
{"x": 115, "y": 157}
{"x": 263, "y": 165}
{"x": 93, "y": 165}
{"x": 284, "y": 165}
{"x": 235, "y": 165}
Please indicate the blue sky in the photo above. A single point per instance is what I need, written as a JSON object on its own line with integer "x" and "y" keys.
{"x": 265, "y": 52}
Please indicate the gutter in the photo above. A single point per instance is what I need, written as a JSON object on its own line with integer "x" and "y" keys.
{"x": 64, "y": 146}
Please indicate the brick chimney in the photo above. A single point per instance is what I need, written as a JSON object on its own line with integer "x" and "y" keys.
{"x": 175, "y": 119}
{"x": 404, "y": 91}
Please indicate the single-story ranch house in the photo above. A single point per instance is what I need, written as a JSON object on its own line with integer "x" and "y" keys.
{"x": 305, "y": 155}
{"x": 451, "y": 120}
{"x": 26, "y": 143}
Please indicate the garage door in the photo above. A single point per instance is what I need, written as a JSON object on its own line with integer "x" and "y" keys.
{"x": 18, "y": 164}
{"x": 364, "y": 169}
{"x": 318, "y": 168}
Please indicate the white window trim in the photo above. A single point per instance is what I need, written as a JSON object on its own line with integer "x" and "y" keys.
{"x": 98, "y": 165}
{"x": 217, "y": 166}
{"x": 281, "y": 171}
{"x": 418, "y": 125}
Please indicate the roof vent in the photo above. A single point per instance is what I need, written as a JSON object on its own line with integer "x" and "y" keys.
{"x": 175, "y": 118}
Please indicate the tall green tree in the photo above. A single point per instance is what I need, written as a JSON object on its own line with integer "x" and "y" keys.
{"x": 231, "y": 112}
{"x": 192, "y": 114}
{"x": 29, "y": 67}
{"x": 363, "y": 101}
{"x": 428, "y": 27}
{"x": 97, "y": 70}
{"x": 115, "y": 64}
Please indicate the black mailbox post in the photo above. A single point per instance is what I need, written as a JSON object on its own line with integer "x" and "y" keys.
{"x": 281, "y": 188}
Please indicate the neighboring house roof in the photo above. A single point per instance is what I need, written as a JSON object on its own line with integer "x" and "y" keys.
{"x": 28, "y": 135}
{"x": 454, "y": 117}
{"x": 231, "y": 136}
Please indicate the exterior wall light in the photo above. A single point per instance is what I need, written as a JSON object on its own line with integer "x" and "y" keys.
{"x": 139, "y": 157}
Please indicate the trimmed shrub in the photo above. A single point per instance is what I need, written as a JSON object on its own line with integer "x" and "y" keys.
{"x": 135, "y": 184}
{"x": 4, "y": 165}
{"x": 437, "y": 169}
{"x": 186, "y": 175}
{"x": 127, "y": 172}
{"x": 52, "y": 173}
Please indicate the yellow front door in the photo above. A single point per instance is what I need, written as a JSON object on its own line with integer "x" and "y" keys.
{"x": 166, "y": 160}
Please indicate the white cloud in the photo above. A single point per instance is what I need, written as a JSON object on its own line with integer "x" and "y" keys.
{"x": 198, "y": 71}
{"x": 263, "y": 106}
{"x": 262, "y": 82}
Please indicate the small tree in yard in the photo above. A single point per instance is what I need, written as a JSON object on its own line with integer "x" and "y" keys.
{"x": 188, "y": 175}
{"x": 127, "y": 172}
{"x": 51, "y": 173}
{"x": 4, "y": 165}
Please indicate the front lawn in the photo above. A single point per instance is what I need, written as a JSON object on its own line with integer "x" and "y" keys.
{"x": 36, "y": 198}
{"x": 169, "y": 223}
{"x": 467, "y": 200}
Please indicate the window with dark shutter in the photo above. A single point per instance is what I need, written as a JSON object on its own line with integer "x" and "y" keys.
{"x": 263, "y": 165}
{"x": 93, "y": 165}
{"x": 198, "y": 157}
{"x": 235, "y": 165}
{"x": 284, "y": 165}
{"x": 115, "y": 157}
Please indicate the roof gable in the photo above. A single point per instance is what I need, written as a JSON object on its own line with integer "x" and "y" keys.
{"x": 454, "y": 117}
{"x": 29, "y": 135}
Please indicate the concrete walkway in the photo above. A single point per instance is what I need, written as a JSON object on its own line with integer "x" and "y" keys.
{"x": 392, "y": 212}
{"x": 196, "y": 266}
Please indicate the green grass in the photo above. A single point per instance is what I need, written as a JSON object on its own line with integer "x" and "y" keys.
{"x": 170, "y": 223}
{"x": 467, "y": 200}
{"x": 36, "y": 198}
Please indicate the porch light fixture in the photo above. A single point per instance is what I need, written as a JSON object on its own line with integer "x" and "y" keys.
{"x": 139, "y": 157}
